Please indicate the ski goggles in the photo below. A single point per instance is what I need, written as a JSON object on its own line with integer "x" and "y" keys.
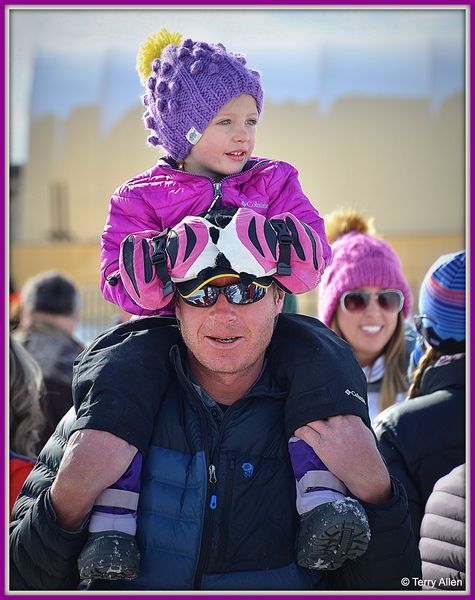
{"x": 235, "y": 293}
{"x": 357, "y": 301}
{"x": 425, "y": 327}
{"x": 426, "y": 330}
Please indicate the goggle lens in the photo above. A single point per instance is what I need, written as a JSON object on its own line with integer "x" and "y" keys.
{"x": 235, "y": 293}
{"x": 388, "y": 300}
{"x": 427, "y": 331}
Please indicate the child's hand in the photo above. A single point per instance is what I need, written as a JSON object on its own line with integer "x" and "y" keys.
{"x": 348, "y": 449}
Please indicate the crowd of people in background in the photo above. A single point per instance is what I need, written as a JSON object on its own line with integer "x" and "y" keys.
{"x": 49, "y": 316}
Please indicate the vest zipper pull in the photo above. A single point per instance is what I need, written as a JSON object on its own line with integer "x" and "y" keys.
{"x": 212, "y": 474}
{"x": 212, "y": 479}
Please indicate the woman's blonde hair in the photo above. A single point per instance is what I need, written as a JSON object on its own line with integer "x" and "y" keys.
{"x": 395, "y": 361}
{"x": 26, "y": 389}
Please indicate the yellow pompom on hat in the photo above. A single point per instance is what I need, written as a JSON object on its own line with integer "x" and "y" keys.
{"x": 152, "y": 48}
{"x": 186, "y": 84}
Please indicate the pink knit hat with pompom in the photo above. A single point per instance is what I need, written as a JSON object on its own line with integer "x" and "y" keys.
{"x": 360, "y": 260}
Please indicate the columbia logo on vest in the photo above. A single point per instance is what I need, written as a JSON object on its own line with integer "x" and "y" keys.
{"x": 355, "y": 394}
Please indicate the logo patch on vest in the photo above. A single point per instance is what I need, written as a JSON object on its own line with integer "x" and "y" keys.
{"x": 355, "y": 394}
{"x": 247, "y": 469}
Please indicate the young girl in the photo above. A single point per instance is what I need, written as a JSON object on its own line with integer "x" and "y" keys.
{"x": 364, "y": 297}
{"x": 203, "y": 105}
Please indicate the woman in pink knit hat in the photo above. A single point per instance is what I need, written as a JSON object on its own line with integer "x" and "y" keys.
{"x": 365, "y": 298}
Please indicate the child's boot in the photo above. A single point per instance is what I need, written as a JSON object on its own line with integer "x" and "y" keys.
{"x": 111, "y": 551}
{"x": 333, "y": 527}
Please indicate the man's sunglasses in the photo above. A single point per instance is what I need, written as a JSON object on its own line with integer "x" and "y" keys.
{"x": 235, "y": 293}
{"x": 388, "y": 300}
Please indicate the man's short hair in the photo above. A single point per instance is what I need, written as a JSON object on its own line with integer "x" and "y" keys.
{"x": 50, "y": 292}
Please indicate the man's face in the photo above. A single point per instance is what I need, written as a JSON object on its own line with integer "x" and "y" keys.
{"x": 228, "y": 339}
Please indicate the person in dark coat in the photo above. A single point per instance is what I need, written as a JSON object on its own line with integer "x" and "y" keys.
{"x": 423, "y": 438}
{"x": 217, "y": 508}
{"x": 26, "y": 388}
{"x": 442, "y": 543}
{"x": 49, "y": 314}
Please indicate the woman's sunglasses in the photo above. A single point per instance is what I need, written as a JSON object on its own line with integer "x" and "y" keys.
{"x": 388, "y": 300}
{"x": 235, "y": 293}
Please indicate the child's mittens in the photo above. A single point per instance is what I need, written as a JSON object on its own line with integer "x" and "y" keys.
{"x": 150, "y": 263}
{"x": 144, "y": 269}
{"x": 300, "y": 249}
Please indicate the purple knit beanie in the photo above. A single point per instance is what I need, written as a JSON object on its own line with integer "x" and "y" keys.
{"x": 360, "y": 260}
{"x": 189, "y": 83}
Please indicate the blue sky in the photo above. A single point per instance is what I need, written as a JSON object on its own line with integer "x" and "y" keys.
{"x": 69, "y": 57}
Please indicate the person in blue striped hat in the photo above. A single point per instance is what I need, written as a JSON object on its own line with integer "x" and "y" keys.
{"x": 441, "y": 318}
{"x": 423, "y": 438}
{"x": 442, "y": 304}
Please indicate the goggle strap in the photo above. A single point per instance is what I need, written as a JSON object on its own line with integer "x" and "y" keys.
{"x": 159, "y": 259}
{"x": 285, "y": 241}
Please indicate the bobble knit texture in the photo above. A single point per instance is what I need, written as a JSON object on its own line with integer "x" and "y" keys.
{"x": 442, "y": 296}
{"x": 360, "y": 260}
{"x": 188, "y": 86}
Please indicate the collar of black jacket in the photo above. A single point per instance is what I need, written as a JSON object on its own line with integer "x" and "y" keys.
{"x": 265, "y": 386}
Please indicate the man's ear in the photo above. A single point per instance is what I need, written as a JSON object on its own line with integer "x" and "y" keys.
{"x": 177, "y": 305}
{"x": 279, "y": 296}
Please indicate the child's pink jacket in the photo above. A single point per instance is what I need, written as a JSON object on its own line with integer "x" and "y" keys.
{"x": 163, "y": 195}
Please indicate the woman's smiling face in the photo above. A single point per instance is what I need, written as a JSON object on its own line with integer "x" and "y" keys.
{"x": 369, "y": 330}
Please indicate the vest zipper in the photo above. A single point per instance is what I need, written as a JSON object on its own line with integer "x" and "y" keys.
{"x": 210, "y": 500}
{"x": 212, "y": 504}
{"x": 212, "y": 479}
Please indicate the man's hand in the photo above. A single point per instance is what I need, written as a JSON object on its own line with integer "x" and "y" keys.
{"x": 348, "y": 449}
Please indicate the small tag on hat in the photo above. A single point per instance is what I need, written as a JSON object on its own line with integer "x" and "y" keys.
{"x": 193, "y": 136}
